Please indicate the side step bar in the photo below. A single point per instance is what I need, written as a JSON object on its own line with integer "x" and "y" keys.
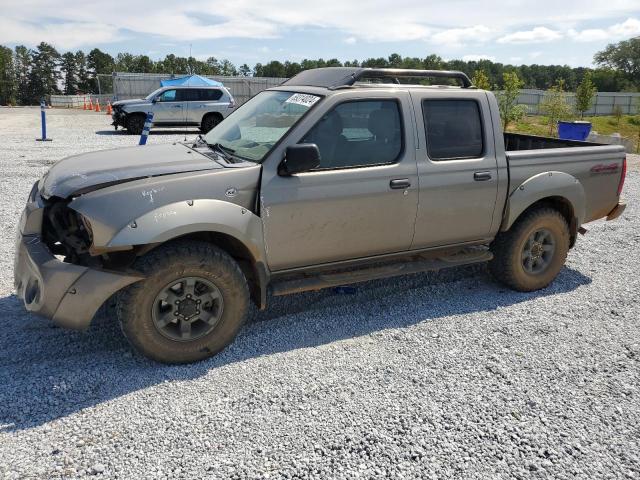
{"x": 364, "y": 274}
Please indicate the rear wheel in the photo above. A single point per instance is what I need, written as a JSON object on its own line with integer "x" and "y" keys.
{"x": 209, "y": 122}
{"x": 190, "y": 306}
{"x": 135, "y": 123}
{"x": 531, "y": 254}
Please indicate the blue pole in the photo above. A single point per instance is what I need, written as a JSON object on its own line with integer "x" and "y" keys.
{"x": 145, "y": 130}
{"x": 43, "y": 120}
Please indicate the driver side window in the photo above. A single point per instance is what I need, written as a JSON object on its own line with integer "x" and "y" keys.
{"x": 358, "y": 134}
{"x": 167, "y": 96}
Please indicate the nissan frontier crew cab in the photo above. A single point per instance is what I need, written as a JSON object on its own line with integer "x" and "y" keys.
{"x": 337, "y": 176}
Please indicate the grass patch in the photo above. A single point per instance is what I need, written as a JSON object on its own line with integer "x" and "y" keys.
{"x": 606, "y": 125}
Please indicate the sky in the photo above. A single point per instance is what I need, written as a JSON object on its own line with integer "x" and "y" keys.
{"x": 250, "y": 31}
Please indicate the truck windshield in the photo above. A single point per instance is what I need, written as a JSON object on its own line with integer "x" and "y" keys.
{"x": 255, "y": 127}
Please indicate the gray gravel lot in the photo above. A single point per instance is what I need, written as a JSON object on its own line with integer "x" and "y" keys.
{"x": 443, "y": 375}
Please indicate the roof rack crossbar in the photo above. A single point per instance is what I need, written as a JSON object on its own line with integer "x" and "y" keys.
{"x": 395, "y": 73}
{"x": 340, "y": 77}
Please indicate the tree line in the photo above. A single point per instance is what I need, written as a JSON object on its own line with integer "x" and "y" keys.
{"x": 26, "y": 75}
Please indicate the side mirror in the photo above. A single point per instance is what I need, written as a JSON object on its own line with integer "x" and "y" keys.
{"x": 155, "y": 99}
{"x": 299, "y": 158}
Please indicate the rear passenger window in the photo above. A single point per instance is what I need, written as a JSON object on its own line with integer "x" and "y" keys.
{"x": 187, "y": 95}
{"x": 453, "y": 128}
{"x": 358, "y": 133}
{"x": 210, "y": 95}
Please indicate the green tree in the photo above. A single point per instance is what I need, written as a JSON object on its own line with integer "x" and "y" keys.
{"x": 44, "y": 74}
{"x": 84, "y": 81}
{"x": 99, "y": 63}
{"x": 69, "y": 69}
{"x": 623, "y": 56}
{"x": 617, "y": 114}
{"x": 555, "y": 106}
{"x": 481, "y": 80}
{"x": 508, "y": 106}
{"x": 244, "y": 70}
{"x": 22, "y": 65}
{"x": 7, "y": 77}
{"x": 585, "y": 93}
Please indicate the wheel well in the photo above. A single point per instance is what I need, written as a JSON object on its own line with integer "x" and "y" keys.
{"x": 561, "y": 205}
{"x": 240, "y": 253}
{"x": 212, "y": 114}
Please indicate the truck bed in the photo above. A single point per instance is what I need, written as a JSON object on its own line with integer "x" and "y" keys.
{"x": 520, "y": 141}
{"x": 595, "y": 166}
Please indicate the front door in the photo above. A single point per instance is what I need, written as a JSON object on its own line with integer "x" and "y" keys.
{"x": 167, "y": 108}
{"x": 361, "y": 201}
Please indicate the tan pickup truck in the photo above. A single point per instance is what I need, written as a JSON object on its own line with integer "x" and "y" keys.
{"x": 338, "y": 176}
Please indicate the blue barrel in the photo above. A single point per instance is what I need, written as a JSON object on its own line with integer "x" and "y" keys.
{"x": 574, "y": 130}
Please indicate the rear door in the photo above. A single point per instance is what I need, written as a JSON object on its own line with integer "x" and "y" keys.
{"x": 362, "y": 200}
{"x": 191, "y": 103}
{"x": 457, "y": 168}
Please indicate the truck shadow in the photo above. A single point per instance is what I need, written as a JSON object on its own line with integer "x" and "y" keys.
{"x": 48, "y": 373}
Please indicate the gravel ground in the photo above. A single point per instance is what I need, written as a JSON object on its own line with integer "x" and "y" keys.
{"x": 429, "y": 376}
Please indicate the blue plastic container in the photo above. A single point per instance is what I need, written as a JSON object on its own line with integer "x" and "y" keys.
{"x": 574, "y": 130}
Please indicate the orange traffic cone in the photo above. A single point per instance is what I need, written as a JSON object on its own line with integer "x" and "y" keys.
{"x": 98, "y": 106}
{"x": 90, "y": 106}
{"x": 109, "y": 109}
{"x": 84, "y": 104}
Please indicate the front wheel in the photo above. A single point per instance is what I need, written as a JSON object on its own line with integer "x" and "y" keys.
{"x": 530, "y": 255}
{"x": 135, "y": 123}
{"x": 209, "y": 122}
{"x": 190, "y": 306}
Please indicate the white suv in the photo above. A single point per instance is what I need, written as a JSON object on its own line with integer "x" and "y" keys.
{"x": 202, "y": 107}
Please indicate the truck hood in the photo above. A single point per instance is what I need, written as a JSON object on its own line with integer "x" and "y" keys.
{"x": 89, "y": 171}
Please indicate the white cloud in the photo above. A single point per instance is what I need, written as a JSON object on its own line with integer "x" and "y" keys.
{"x": 536, "y": 54}
{"x": 537, "y": 35}
{"x": 515, "y": 59}
{"x": 350, "y": 40}
{"x": 476, "y": 58}
{"x": 74, "y": 23}
{"x": 68, "y": 35}
{"x": 462, "y": 36}
{"x": 627, "y": 29}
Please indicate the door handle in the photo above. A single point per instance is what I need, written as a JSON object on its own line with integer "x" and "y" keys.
{"x": 482, "y": 176}
{"x": 400, "y": 183}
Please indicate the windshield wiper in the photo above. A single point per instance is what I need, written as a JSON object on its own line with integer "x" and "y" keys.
{"x": 226, "y": 152}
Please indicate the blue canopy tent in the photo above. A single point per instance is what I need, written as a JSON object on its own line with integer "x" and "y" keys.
{"x": 190, "y": 81}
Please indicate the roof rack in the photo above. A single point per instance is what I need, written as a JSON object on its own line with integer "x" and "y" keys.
{"x": 339, "y": 77}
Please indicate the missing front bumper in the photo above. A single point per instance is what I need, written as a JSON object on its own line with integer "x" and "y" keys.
{"x": 68, "y": 294}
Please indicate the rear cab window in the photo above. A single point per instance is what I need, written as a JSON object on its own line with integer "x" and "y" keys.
{"x": 453, "y": 129}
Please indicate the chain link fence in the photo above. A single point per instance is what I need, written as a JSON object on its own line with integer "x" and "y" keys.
{"x": 122, "y": 86}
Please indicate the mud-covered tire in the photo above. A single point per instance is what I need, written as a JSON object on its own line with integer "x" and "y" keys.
{"x": 135, "y": 123}
{"x": 209, "y": 122}
{"x": 512, "y": 249}
{"x": 137, "y": 306}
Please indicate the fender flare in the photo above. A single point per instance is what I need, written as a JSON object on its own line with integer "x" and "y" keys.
{"x": 545, "y": 185}
{"x": 204, "y": 215}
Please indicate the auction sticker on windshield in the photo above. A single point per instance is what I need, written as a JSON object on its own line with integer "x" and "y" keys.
{"x": 304, "y": 99}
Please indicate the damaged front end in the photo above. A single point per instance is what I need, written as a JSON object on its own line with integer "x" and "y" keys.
{"x": 55, "y": 273}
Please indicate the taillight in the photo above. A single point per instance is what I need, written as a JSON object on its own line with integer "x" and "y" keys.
{"x": 232, "y": 103}
{"x": 622, "y": 177}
